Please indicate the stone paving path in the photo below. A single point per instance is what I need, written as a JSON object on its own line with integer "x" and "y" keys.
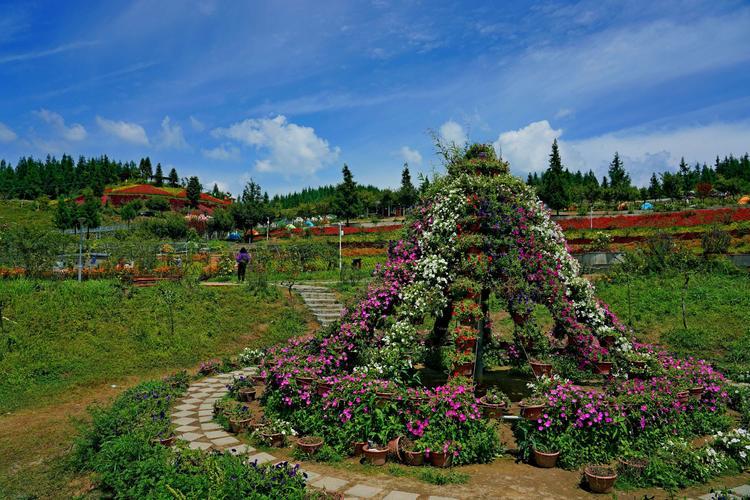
{"x": 738, "y": 493}
{"x": 193, "y": 416}
{"x": 321, "y": 301}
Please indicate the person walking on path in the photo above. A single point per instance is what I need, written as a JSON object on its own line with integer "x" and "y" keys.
{"x": 243, "y": 258}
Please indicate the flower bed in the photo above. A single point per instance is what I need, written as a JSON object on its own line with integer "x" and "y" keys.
{"x": 665, "y": 220}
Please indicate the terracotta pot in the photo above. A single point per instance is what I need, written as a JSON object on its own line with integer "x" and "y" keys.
{"x": 540, "y": 368}
{"x": 167, "y": 441}
{"x": 532, "y": 412}
{"x": 546, "y": 460}
{"x": 358, "y": 448}
{"x": 247, "y": 394}
{"x": 608, "y": 341}
{"x": 466, "y": 344}
{"x": 440, "y": 459}
{"x": 603, "y": 367}
{"x": 492, "y": 410}
{"x": 412, "y": 458}
{"x": 323, "y": 388}
{"x": 275, "y": 440}
{"x": 376, "y": 456}
{"x": 238, "y": 426}
{"x": 465, "y": 370}
{"x": 697, "y": 390}
{"x": 683, "y": 396}
{"x": 600, "y": 479}
{"x": 393, "y": 447}
{"x": 259, "y": 379}
{"x": 310, "y": 448}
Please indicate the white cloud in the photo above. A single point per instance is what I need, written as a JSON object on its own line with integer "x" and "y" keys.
{"x": 411, "y": 156}
{"x": 223, "y": 152}
{"x": 171, "y": 135}
{"x": 127, "y": 131}
{"x": 527, "y": 148}
{"x": 6, "y": 134}
{"x": 197, "y": 125}
{"x": 564, "y": 112}
{"x": 452, "y": 132}
{"x": 74, "y": 132}
{"x": 293, "y": 149}
{"x": 642, "y": 151}
{"x": 26, "y": 56}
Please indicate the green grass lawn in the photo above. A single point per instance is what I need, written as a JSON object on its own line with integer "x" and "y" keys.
{"x": 63, "y": 335}
{"x": 718, "y": 315}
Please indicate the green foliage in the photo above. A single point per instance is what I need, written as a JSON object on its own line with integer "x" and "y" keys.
{"x": 169, "y": 226}
{"x": 71, "y": 334}
{"x": 157, "y": 204}
{"x": 346, "y": 202}
{"x": 251, "y": 208}
{"x": 129, "y": 211}
{"x": 554, "y": 188}
{"x": 117, "y": 446}
{"x": 715, "y": 241}
{"x": 438, "y": 477}
{"x": 33, "y": 248}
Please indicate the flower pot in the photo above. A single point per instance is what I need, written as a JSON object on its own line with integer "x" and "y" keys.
{"x": 237, "y": 425}
{"x": 540, "y": 368}
{"x": 697, "y": 391}
{"x": 532, "y": 411}
{"x": 376, "y": 456}
{"x": 600, "y": 479}
{"x": 412, "y": 458}
{"x": 546, "y": 460}
{"x": 247, "y": 394}
{"x": 466, "y": 344}
{"x": 276, "y": 439}
{"x": 492, "y": 410}
{"x": 259, "y": 379}
{"x": 440, "y": 459}
{"x": 682, "y": 396}
{"x": 323, "y": 388}
{"x": 603, "y": 367}
{"x": 632, "y": 467}
{"x": 358, "y": 448}
{"x": 310, "y": 445}
{"x": 464, "y": 370}
{"x": 384, "y": 396}
{"x": 639, "y": 365}
{"x": 393, "y": 447}
{"x": 167, "y": 441}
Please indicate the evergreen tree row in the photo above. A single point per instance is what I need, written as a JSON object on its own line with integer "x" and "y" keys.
{"x": 31, "y": 178}
{"x": 559, "y": 188}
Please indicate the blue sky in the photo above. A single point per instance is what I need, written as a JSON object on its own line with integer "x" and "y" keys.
{"x": 286, "y": 92}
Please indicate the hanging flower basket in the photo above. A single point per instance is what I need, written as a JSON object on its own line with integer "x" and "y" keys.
{"x": 545, "y": 460}
{"x": 683, "y": 396}
{"x": 540, "y": 368}
{"x": 603, "y": 367}
{"x": 600, "y": 479}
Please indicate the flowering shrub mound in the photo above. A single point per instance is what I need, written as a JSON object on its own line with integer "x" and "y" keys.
{"x": 479, "y": 230}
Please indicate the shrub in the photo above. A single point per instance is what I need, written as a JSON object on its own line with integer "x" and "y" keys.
{"x": 715, "y": 241}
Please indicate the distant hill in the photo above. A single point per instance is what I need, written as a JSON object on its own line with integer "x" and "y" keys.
{"x": 176, "y": 197}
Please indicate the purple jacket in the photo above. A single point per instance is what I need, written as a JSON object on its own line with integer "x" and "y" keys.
{"x": 243, "y": 257}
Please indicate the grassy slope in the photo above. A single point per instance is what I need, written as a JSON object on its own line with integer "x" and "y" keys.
{"x": 718, "y": 314}
{"x": 95, "y": 343}
{"x": 22, "y": 212}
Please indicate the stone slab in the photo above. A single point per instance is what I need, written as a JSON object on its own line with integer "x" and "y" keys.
{"x": 191, "y": 436}
{"x": 311, "y": 476}
{"x": 363, "y": 491}
{"x": 184, "y": 413}
{"x": 216, "y": 434}
{"x": 187, "y": 428}
{"x": 199, "y": 445}
{"x": 432, "y": 497}
{"x": 183, "y": 420}
{"x": 210, "y": 426}
{"x": 242, "y": 449}
{"x": 742, "y": 491}
{"x": 203, "y": 413}
{"x": 205, "y": 418}
{"x": 400, "y": 495}
{"x": 261, "y": 457}
{"x": 330, "y": 483}
{"x": 225, "y": 441}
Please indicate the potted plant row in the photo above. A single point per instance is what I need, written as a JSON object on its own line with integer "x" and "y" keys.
{"x": 494, "y": 403}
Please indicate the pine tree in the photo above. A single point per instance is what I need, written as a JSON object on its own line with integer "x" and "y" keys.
{"x": 407, "y": 195}
{"x": 251, "y": 208}
{"x": 619, "y": 180}
{"x": 65, "y": 215}
{"x": 215, "y": 192}
{"x": 173, "y": 179}
{"x": 554, "y": 190}
{"x": 684, "y": 173}
{"x": 654, "y": 187}
{"x": 346, "y": 202}
{"x": 194, "y": 189}
{"x": 145, "y": 169}
{"x": 159, "y": 176}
